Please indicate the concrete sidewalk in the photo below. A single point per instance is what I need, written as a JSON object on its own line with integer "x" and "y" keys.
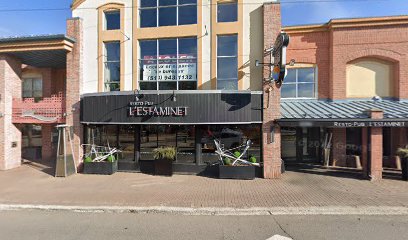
{"x": 27, "y": 185}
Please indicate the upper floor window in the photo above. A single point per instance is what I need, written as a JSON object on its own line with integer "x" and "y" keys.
{"x": 32, "y": 88}
{"x": 300, "y": 83}
{"x": 227, "y": 11}
{"x": 112, "y": 66}
{"x": 157, "y": 13}
{"x": 112, "y": 20}
{"x": 227, "y": 62}
{"x": 168, "y": 64}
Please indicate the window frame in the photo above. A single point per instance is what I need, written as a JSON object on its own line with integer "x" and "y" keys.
{"x": 109, "y": 11}
{"x": 296, "y": 83}
{"x": 228, "y": 3}
{"x": 227, "y": 56}
{"x": 32, "y": 87}
{"x": 157, "y": 59}
{"x": 158, "y": 7}
{"x": 105, "y": 61}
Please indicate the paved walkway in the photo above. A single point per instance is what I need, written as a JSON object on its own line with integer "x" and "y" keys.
{"x": 28, "y": 185}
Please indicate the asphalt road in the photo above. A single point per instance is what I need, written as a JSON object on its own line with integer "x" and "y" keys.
{"x": 70, "y": 225}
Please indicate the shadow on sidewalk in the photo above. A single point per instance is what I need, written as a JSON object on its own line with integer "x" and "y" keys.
{"x": 45, "y": 167}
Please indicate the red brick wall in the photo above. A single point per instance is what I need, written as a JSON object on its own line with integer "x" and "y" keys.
{"x": 332, "y": 49}
{"x": 74, "y": 85}
{"x": 271, "y": 151}
{"x": 376, "y": 148}
{"x": 339, "y": 147}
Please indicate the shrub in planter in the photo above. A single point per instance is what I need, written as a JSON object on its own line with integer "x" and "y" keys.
{"x": 403, "y": 154}
{"x": 163, "y": 160}
{"x": 252, "y": 159}
{"x": 108, "y": 167}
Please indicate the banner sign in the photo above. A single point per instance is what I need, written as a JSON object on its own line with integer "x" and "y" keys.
{"x": 166, "y": 68}
{"x": 146, "y": 108}
{"x": 370, "y": 124}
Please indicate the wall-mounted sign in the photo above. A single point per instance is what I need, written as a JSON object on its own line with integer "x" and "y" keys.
{"x": 146, "y": 108}
{"x": 370, "y": 124}
{"x": 279, "y": 58}
{"x": 169, "y": 68}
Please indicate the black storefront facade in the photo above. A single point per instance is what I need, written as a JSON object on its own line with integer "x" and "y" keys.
{"x": 138, "y": 122}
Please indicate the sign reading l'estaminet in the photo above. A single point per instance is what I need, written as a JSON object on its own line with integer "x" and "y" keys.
{"x": 370, "y": 124}
{"x": 146, "y": 108}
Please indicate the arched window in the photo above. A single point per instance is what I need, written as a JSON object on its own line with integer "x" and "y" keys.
{"x": 367, "y": 78}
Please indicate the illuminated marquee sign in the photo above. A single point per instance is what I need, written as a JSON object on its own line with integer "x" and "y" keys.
{"x": 146, "y": 108}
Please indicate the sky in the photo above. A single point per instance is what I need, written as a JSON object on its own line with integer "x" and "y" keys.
{"x": 294, "y": 12}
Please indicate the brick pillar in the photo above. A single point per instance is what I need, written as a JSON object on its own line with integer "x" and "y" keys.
{"x": 74, "y": 85}
{"x": 339, "y": 147}
{"x": 47, "y": 150}
{"x": 47, "y": 81}
{"x": 10, "y": 135}
{"x": 271, "y": 97}
{"x": 376, "y": 147}
{"x": 364, "y": 151}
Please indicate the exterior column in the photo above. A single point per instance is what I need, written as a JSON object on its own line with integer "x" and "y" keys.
{"x": 339, "y": 147}
{"x": 376, "y": 147}
{"x": 47, "y": 150}
{"x": 364, "y": 151}
{"x": 271, "y": 143}
{"x": 47, "y": 81}
{"x": 10, "y": 135}
{"x": 74, "y": 87}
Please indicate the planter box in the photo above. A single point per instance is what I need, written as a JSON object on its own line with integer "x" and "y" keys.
{"x": 404, "y": 166}
{"x": 236, "y": 172}
{"x": 146, "y": 166}
{"x": 104, "y": 168}
{"x": 163, "y": 167}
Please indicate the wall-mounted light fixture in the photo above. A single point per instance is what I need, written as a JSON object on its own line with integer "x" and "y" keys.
{"x": 272, "y": 133}
{"x": 174, "y": 97}
{"x": 137, "y": 94}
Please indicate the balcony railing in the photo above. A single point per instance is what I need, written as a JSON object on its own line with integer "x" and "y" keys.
{"x": 46, "y": 110}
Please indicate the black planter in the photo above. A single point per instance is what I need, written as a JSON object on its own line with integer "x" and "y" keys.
{"x": 163, "y": 167}
{"x": 104, "y": 168}
{"x": 146, "y": 166}
{"x": 237, "y": 172}
{"x": 404, "y": 166}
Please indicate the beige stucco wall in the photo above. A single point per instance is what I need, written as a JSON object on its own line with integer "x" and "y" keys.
{"x": 368, "y": 78}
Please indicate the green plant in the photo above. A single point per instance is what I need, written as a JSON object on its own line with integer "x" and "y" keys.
{"x": 164, "y": 152}
{"x": 111, "y": 158}
{"x": 237, "y": 154}
{"x": 227, "y": 161}
{"x": 252, "y": 159}
{"x": 402, "y": 152}
{"x": 87, "y": 159}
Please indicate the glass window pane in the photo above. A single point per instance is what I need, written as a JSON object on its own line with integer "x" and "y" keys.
{"x": 148, "y": 49}
{"x": 288, "y": 91}
{"x": 148, "y": 85}
{"x": 227, "y": 45}
{"x": 187, "y": 2}
{"x": 306, "y": 90}
{"x": 148, "y": 70}
{"x": 227, "y": 68}
{"x": 227, "y": 12}
{"x": 306, "y": 75}
{"x": 37, "y": 94}
{"x": 187, "y": 69}
{"x": 27, "y": 94}
{"x": 28, "y": 85}
{"x": 227, "y": 85}
{"x": 112, "y": 19}
{"x": 167, "y": 85}
{"x": 188, "y": 85}
{"x": 167, "y": 2}
{"x": 148, "y": 3}
{"x": 291, "y": 76}
{"x": 148, "y": 18}
{"x": 167, "y": 70}
{"x": 112, "y": 51}
{"x": 186, "y": 144}
{"x": 168, "y": 16}
{"x": 110, "y": 87}
{"x": 112, "y": 72}
{"x": 168, "y": 48}
{"x": 37, "y": 85}
{"x": 187, "y": 15}
{"x": 188, "y": 46}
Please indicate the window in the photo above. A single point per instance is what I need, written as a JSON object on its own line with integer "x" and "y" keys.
{"x": 299, "y": 83}
{"x": 227, "y": 62}
{"x": 157, "y": 13}
{"x": 112, "y": 20}
{"x": 168, "y": 64}
{"x": 112, "y": 66}
{"x": 32, "y": 88}
{"x": 227, "y": 11}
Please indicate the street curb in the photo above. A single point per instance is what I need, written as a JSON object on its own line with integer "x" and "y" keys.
{"x": 329, "y": 210}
